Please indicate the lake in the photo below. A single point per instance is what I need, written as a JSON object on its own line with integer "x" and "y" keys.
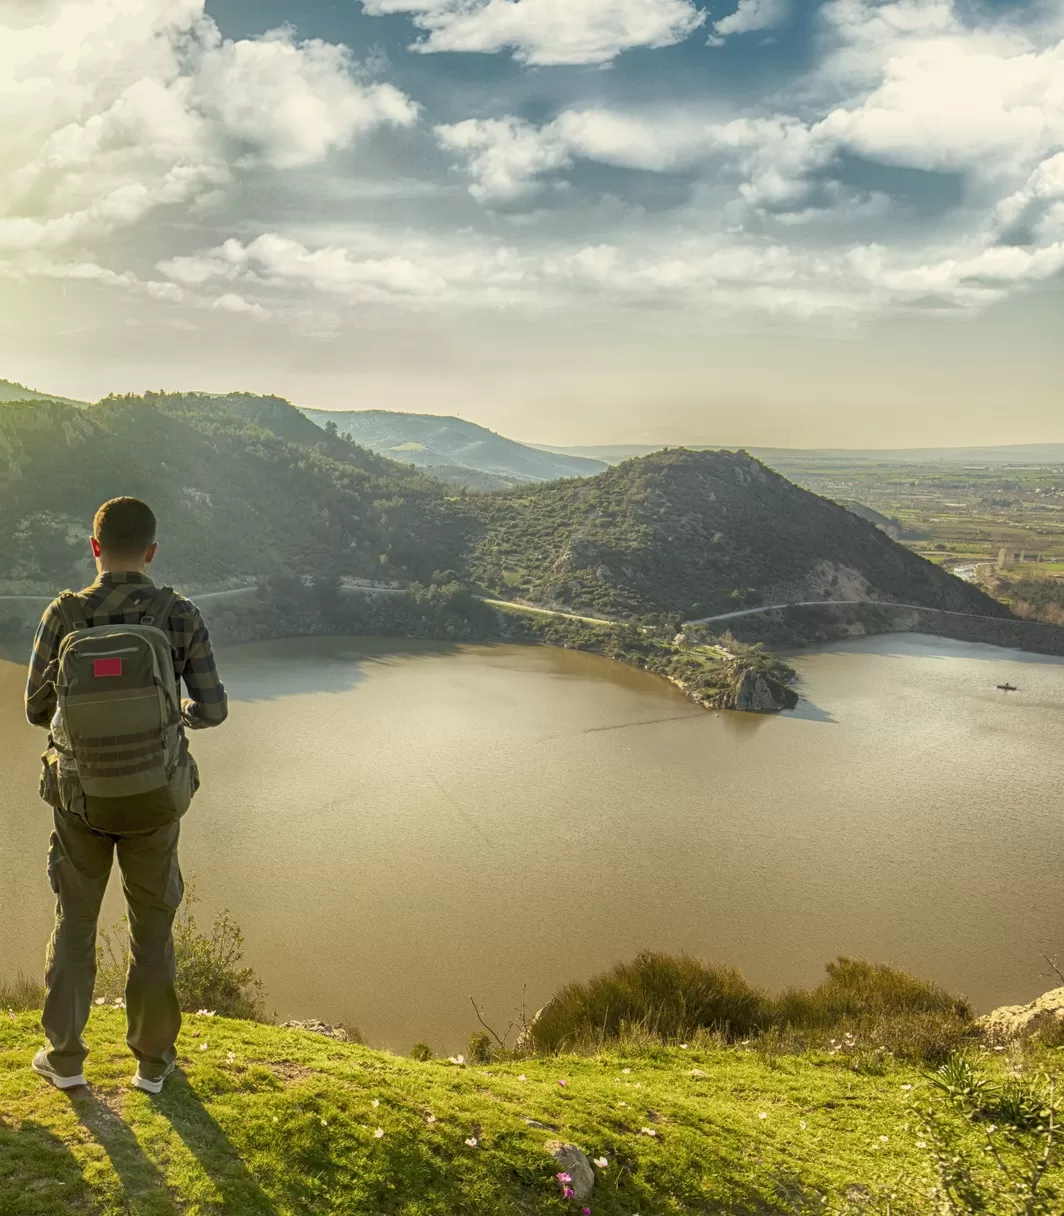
{"x": 399, "y": 826}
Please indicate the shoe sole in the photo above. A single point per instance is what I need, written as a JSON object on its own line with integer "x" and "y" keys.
{"x": 149, "y": 1086}
{"x": 58, "y": 1081}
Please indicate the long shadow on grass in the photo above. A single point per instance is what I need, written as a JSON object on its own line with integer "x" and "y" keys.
{"x": 146, "y": 1192}
{"x": 181, "y": 1106}
{"x": 39, "y": 1175}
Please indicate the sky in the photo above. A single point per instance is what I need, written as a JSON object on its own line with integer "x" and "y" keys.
{"x": 745, "y": 222}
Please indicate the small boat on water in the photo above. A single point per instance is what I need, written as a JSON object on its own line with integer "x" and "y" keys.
{"x": 1008, "y": 688}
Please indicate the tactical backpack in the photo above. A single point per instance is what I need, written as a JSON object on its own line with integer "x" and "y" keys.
{"x": 118, "y": 710}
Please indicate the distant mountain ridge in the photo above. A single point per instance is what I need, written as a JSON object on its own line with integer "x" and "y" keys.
{"x": 11, "y": 390}
{"x": 1021, "y": 453}
{"x": 430, "y": 442}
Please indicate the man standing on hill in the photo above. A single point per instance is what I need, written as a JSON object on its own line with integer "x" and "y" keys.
{"x": 104, "y": 678}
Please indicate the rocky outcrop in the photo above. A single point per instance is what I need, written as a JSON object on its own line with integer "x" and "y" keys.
{"x": 574, "y": 1162}
{"x": 760, "y": 694}
{"x": 316, "y": 1027}
{"x": 1016, "y": 1022}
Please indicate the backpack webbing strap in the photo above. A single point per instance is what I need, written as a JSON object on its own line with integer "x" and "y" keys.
{"x": 71, "y": 611}
{"x": 158, "y": 611}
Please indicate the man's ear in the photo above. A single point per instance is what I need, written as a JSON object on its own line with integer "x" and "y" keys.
{"x": 95, "y": 546}
{"x": 151, "y": 553}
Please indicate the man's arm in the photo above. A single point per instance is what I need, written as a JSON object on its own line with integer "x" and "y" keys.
{"x": 40, "y": 692}
{"x": 206, "y": 704}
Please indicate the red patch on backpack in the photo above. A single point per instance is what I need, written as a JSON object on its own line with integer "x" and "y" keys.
{"x": 106, "y": 667}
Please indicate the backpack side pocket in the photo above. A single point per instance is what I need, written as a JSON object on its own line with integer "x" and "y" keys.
{"x": 49, "y": 787}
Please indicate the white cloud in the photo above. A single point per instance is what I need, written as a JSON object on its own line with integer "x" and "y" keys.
{"x": 113, "y": 108}
{"x": 753, "y": 15}
{"x": 292, "y": 103}
{"x": 543, "y": 32}
{"x": 408, "y": 272}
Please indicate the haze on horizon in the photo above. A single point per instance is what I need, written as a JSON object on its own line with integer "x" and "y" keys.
{"x": 836, "y": 223}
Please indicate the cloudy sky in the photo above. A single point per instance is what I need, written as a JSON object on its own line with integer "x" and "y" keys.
{"x": 739, "y": 221}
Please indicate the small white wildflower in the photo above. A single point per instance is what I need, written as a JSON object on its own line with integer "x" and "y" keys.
{"x": 231, "y": 1057}
{"x": 376, "y": 1102}
{"x": 205, "y": 1013}
{"x": 276, "y": 1120}
{"x": 101, "y": 1000}
{"x": 203, "y": 1046}
{"x": 992, "y": 1129}
{"x": 626, "y": 1071}
{"x": 762, "y": 1114}
{"x": 471, "y": 1142}
{"x": 648, "y": 1131}
{"x": 378, "y": 1133}
{"x": 884, "y": 1139}
{"x": 522, "y": 1077}
{"x": 906, "y": 1087}
{"x": 921, "y": 1144}
{"x": 430, "y": 1119}
{"x": 622, "y": 1103}
{"x": 801, "y": 1124}
{"x": 683, "y": 1046}
{"x": 456, "y": 1059}
{"x": 602, "y": 1163}
{"x": 325, "y": 1122}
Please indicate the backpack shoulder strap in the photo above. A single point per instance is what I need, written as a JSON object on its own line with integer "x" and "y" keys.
{"x": 158, "y": 611}
{"x": 71, "y": 611}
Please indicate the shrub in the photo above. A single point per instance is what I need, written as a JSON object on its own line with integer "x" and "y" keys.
{"x": 422, "y": 1052}
{"x": 209, "y": 975}
{"x": 856, "y": 989}
{"x": 21, "y": 993}
{"x": 479, "y": 1050}
{"x": 661, "y": 995}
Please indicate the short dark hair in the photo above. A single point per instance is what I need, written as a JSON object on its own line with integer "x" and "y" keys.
{"x": 124, "y": 527}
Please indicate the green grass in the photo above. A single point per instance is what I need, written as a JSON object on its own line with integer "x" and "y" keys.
{"x": 263, "y": 1120}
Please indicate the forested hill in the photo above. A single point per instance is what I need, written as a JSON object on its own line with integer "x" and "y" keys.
{"x": 237, "y": 500}
{"x": 11, "y": 390}
{"x": 247, "y": 486}
{"x": 696, "y": 533}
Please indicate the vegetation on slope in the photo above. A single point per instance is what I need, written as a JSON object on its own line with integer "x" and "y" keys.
{"x": 237, "y": 498}
{"x": 695, "y": 533}
{"x": 11, "y": 390}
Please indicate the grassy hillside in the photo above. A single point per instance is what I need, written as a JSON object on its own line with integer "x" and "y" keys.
{"x": 273, "y": 1122}
{"x": 694, "y": 533}
{"x": 435, "y": 442}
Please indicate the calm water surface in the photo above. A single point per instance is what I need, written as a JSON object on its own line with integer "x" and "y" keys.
{"x": 397, "y": 827}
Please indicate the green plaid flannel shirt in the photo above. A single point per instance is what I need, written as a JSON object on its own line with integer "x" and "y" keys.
{"x": 121, "y": 599}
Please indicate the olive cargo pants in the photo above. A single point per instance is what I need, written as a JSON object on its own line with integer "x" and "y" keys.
{"x": 79, "y": 865}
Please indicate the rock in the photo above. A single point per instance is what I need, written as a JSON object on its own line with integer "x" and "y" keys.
{"x": 574, "y": 1162}
{"x": 760, "y": 694}
{"x": 1012, "y": 1022}
{"x": 316, "y": 1027}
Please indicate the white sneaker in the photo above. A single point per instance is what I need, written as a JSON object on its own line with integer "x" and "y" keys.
{"x": 151, "y": 1085}
{"x": 41, "y": 1066}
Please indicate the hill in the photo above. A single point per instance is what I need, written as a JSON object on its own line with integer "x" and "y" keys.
{"x": 249, "y": 487}
{"x": 262, "y": 1120}
{"x": 432, "y": 442}
{"x": 11, "y": 390}
{"x": 246, "y": 487}
{"x": 696, "y": 533}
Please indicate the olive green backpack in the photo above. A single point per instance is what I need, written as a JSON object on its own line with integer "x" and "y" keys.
{"x": 118, "y": 701}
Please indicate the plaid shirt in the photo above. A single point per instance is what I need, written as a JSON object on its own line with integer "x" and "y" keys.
{"x": 121, "y": 599}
